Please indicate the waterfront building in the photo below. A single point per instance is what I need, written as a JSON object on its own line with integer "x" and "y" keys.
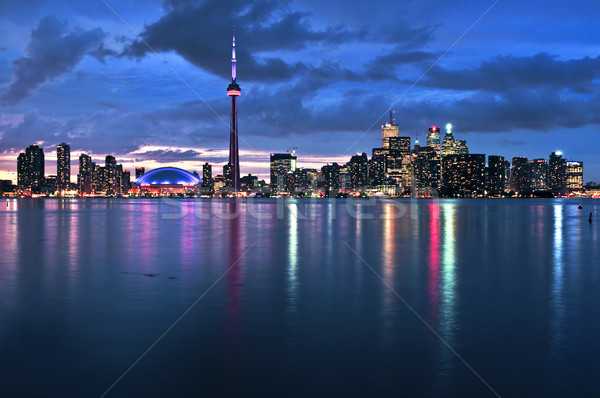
{"x": 31, "y": 168}
{"x": 557, "y": 175}
{"x": 496, "y": 175}
{"x": 574, "y": 176}
{"x": 281, "y": 164}
{"x": 538, "y": 175}
{"x": 519, "y": 176}
{"x": 463, "y": 175}
{"x": 358, "y": 170}
{"x": 63, "y": 167}
{"x": 85, "y": 175}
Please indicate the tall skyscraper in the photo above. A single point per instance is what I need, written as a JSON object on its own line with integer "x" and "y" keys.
{"x": 450, "y": 146}
{"x": 496, "y": 175}
{"x": 519, "y": 175}
{"x": 557, "y": 175}
{"x": 574, "y": 176}
{"x": 207, "y": 180}
{"x": 30, "y": 168}
{"x": 281, "y": 165}
{"x": 110, "y": 180}
{"x": 234, "y": 91}
{"x": 433, "y": 139}
{"x": 538, "y": 175}
{"x": 85, "y": 177}
{"x": 358, "y": 169}
{"x": 63, "y": 166}
{"x": 388, "y": 130}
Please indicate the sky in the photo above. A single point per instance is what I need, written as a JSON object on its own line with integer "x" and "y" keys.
{"x": 145, "y": 81}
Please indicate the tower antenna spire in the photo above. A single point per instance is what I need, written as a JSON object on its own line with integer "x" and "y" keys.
{"x": 233, "y": 71}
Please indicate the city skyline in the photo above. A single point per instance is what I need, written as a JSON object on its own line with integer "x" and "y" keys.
{"x": 304, "y": 88}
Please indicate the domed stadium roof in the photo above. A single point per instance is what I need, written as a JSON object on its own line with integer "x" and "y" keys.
{"x": 168, "y": 176}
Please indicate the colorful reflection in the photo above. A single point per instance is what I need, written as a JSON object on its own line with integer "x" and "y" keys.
{"x": 433, "y": 263}
{"x": 447, "y": 320}
{"x": 557, "y": 294}
{"x": 292, "y": 271}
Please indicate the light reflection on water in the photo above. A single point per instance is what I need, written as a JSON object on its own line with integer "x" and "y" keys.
{"x": 99, "y": 280}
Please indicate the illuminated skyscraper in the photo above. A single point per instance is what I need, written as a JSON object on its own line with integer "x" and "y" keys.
{"x": 388, "y": 130}
{"x": 358, "y": 169}
{"x": 63, "y": 166}
{"x": 234, "y": 91}
{"x": 450, "y": 146}
{"x": 574, "y": 176}
{"x": 30, "y": 168}
{"x": 463, "y": 175}
{"x": 538, "y": 175}
{"x": 281, "y": 165}
{"x": 557, "y": 175}
{"x": 496, "y": 175}
{"x": 85, "y": 176}
{"x": 433, "y": 139}
{"x": 519, "y": 175}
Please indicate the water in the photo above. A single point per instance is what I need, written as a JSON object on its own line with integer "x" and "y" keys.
{"x": 302, "y": 298}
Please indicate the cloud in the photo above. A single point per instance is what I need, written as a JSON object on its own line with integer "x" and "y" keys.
{"x": 51, "y": 52}
{"x": 503, "y": 73}
{"x": 264, "y": 27}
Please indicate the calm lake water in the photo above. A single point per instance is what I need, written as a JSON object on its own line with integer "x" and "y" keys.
{"x": 299, "y": 298}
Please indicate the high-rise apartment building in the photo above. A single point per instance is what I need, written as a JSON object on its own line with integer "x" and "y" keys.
{"x": 557, "y": 175}
{"x": 31, "y": 168}
{"x": 519, "y": 175}
{"x": 85, "y": 176}
{"x": 538, "y": 175}
{"x": 574, "y": 176}
{"x": 63, "y": 167}
{"x": 496, "y": 175}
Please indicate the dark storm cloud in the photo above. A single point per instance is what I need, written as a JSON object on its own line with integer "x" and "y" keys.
{"x": 505, "y": 72}
{"x": 517, "y": 109}
{"x": 384, "y": 67}
{"x": 265, "y": 26}
{"x": 51, "y": 52}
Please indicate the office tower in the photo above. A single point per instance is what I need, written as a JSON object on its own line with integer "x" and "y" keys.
{"x": 557, "y": 175}
{"x": 139, "y": 171}
{"x": 433, "y": 139}
{"x": 377, "y": 169}
{"x": 281, "y": 164}
{"x": 125, "y": 182}
{"x": 426, "y": 169}
{"x": 63, "y": 166}
{"x": 450, "y": 146}
{"x": 30, "y": 168}
{"x": 331, "y": 176}
{"x": 344, "y": 178}
{"x": 538, "y": 175}
{"x": 359, "y": 171}
{"x": 574, "y": 176}
{"x": 22, "y": 175}
{"x": 463, "y": 175}
{"x": 208, "y": 184}
{"x": 234, "y": 91}
{"x": 109, "y": 176}
{"x": 84, "y": 178}
{"x": 388, "y": 130}
{"x": 496, "y": 175}
{"x": 519, "y": 175}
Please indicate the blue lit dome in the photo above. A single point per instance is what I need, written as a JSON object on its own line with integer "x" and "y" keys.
{"x": 168, "y": 176}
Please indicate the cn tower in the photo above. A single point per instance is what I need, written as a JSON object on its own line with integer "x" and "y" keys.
{"x": 234, "y": 91}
